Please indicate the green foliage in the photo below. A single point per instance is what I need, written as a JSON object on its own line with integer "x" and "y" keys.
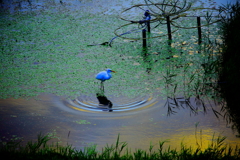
{"x": 229, "y": 72}
{"x": 41, "y": 150}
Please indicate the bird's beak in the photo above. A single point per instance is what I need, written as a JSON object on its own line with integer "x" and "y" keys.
{"x": 114, "y": 71}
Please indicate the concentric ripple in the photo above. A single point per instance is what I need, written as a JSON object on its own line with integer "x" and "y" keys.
{"x": 113, "y": 104}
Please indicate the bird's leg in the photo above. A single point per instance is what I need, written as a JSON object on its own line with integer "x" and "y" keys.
{"x": 102, "y": 87}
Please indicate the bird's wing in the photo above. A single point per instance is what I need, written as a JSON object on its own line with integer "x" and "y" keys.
{"x": 102, "y": 75}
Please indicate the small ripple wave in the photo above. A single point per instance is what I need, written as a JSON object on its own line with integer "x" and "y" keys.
{"x": 113, "y": 104}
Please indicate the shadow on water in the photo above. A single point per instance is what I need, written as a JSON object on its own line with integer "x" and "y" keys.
{"x": 104, "y": 101}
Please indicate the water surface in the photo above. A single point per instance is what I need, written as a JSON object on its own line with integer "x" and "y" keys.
{"x": 27, "y": 118}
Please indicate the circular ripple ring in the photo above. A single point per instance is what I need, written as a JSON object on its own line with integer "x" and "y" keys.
{"x": 88, "y": 104}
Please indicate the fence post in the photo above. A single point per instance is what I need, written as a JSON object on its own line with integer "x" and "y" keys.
{"x": 144, "y": 39}
{"x": 199, "y": 30}
{"x": 148, "y": 26}
{"x": 169, "y": 30}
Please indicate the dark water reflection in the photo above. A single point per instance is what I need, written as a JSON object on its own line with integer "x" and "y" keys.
{"x": 27, "y": 118}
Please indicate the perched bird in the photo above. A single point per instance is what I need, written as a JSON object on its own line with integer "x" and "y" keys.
{"x": 104, "y": 75}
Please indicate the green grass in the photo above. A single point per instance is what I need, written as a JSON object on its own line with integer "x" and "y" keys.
{"x": 41, "y": 149}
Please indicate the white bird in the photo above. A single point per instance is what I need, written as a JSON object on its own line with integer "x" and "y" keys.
{"x": 104, "y": 75}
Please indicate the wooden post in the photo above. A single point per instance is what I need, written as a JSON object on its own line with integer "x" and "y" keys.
{"x": 144, "y": 39}
{"x": 169, "y": 30}
{"x": 199, "y": 30}
{"x": 148, "y": 26}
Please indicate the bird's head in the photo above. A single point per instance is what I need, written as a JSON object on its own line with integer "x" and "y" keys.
{"x": 147, "y": 13}
{"x": 109, "y": 70}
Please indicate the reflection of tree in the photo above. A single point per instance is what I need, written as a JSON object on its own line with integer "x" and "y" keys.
{"x": 163, "y": 9}
{"x": 167, "y": 8}
{"x": 200, "y": 91}
{"x": 197, "y": 94}
{"x": 193, "y": 86}
{"x": 165, "y": 12}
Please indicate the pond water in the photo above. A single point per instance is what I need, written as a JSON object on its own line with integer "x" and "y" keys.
{"x": 139, "y": 121}
{"x": 146, "y": 123}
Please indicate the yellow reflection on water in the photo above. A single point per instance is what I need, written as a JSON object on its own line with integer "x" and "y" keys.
{"x": 187, "y": 138}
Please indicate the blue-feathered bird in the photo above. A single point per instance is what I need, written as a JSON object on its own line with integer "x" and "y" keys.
{"x": 104, "y": 75}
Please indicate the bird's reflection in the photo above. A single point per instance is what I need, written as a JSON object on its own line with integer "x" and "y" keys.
{"x": 104, "y": 102}
{"x": 147, "y": 59}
